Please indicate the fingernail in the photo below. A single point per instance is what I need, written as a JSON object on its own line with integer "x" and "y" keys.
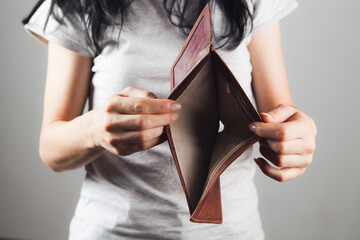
{"x": 256, "y": 160}
{"x": 174, "y": 116}
{"x": 175, "y": 107}
{"x": 266, "y": 114}
{"x": 252, "y": 127}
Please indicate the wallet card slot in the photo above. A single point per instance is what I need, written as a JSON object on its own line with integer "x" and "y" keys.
{"x": 236, "y": 89}
{"x": 241, "y": 102}
{"x": 231, "y": 87}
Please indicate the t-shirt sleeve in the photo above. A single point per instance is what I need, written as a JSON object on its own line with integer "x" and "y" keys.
{"x": 70, "y": 33}
{"x": 268, "y": 12}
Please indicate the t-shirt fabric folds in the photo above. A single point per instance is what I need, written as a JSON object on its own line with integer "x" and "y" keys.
{"x": 140, "y": 196}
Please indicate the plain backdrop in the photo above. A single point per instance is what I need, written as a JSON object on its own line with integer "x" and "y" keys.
{"x": 321, "y": 47}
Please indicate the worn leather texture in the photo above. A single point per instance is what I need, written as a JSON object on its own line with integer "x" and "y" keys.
{"x": 209, "y": 94}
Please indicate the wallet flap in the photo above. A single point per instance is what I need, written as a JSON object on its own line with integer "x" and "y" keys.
{"x": 196, "y": 47}
{"x": 209, "y": 210}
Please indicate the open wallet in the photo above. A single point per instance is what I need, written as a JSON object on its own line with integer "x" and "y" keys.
{"x": 209, "y": 94}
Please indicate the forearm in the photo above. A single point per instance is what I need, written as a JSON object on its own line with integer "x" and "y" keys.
{"x": 66, "y": 145}
{"x": 269, "y": 95}
{"x": 270, "y": 83}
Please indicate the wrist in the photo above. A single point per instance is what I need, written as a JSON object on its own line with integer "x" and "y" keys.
{"x": 91, "y": 132}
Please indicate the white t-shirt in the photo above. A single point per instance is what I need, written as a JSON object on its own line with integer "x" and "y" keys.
{"x": 140, "y": 196}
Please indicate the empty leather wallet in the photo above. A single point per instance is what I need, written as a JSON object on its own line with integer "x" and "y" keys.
{"x": 209, "y": 94}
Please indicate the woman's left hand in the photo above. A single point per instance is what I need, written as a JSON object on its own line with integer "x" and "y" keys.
{"x": 288, "y": 142}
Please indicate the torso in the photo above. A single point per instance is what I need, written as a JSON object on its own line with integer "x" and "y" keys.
{"x": 141, "y": 195}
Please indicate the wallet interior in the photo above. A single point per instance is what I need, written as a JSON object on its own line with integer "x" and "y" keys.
{"x": 201, "y": 146}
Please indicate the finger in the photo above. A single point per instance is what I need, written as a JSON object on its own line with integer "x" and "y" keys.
{"x": 286, "y": 161}
{"x": 136, "y": 105}
{"x": 279, "y": 131}
{"x": 136, "y": 92}
{"x": 279, "y": 114}
{"x": 135, "y": 136}
{"x": 129, "y": 149}
{"x": 297, "y": 146}
{"x": 281, "y": 175}
{"x": 119, "y": 122}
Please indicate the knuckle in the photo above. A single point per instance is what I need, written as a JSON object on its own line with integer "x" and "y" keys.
{"x": 281, "y": 133}
{"x": 164, "y": 107}
{"x": 107, "y": 128}
{"x": 107, "y": 123}
{"x": 310, "y": 148}
{"x": 123, "y": 150}
{"x": 313, "y": 125}
{"x": 113, "y": 142}
{"x": 281, "y": 161}
{"x": 315, "y": 130}
{"x": 142, "y": 122}
{"x": 282, "y": 105}
{"x": 143, "y": 146}
{"x": 167, "y": 119}
{"x": 139, "y": 106}
{"x": 110, "y": 140}
{"x": 280, "y": 178}
{"x": 302, "y": 114}
{"x": 144, "y": 136}
{"x": 308, "y": 161}
{"x": 109, "y": 105}
{"x": 159, "y": 131}
{"x": 116, "y": 142}
{"x": 149, "y": 95}
{"x": 278, "y": 147}
{"x": 128, "y": 89}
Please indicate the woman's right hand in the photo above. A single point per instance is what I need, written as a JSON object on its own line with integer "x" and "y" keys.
{"x": 128, "y": 122}
{"x": 132, "y": 121}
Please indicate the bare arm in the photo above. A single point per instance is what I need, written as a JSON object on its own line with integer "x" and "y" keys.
{"x": 269, "y": 75}
{"x": 288, "y": 133}
{"x": 64, "y": 140}
{"x": 128, "y": 122}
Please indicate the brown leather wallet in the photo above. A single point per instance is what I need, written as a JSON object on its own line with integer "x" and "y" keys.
{"x": 209, "y": 93}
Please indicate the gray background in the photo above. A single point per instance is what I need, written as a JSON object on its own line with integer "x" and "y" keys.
{"x": 321, "y": 46}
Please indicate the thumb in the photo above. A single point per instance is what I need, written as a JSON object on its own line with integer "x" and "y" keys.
{"x": 136, "y": 92}
{"x": 279, "y": 114}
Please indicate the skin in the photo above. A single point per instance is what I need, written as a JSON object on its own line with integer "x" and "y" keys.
{"x": 288, "y": 133}
{"x": 133, "y": 119}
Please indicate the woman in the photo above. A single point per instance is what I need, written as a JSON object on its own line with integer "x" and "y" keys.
{"x": 118, "y": 53}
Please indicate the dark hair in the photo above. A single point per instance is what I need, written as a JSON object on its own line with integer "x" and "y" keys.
{"x": 97, "y": 15}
